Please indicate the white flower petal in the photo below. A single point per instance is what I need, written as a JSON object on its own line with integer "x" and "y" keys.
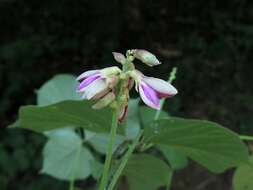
{"x": 151, "y": 100}
{"x": 119, "y": 57}
{"x": 87, "y": 73}
{"x": 161, "y": 86}
{"x": 95, "y": 88}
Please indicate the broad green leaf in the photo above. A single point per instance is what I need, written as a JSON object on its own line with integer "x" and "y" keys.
{"x": 176, "y": 159}
{"x": 59, "y": 88}
{"x": 100, "y": 141}
{"x": 243, "y": 177}
{"x": 97, "y": 169}
{"x": 132, "y": 122}
{"x": 65, "y": 114}
{"x": 65, "y": 157}
{"x": 147, "y": 114}
{"x": 209, "y": 144}
{"x": 147, "y": 172}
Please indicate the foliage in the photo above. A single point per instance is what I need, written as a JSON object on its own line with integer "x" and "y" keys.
{"x": 210, "y": 42}
{"x": 66, "y": 150}
{"x": 242, "y": 179}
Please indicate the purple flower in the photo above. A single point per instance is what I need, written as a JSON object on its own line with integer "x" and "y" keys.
{"x": 95, "y": 84}
{"x": 152, "y": 89}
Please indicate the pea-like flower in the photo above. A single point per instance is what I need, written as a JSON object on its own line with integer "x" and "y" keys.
{"x": 95, "y": 84}
{"x": 152, "y": 89}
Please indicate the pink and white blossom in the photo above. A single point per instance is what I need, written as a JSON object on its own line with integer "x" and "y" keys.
{"x": 95, "y": 84}
{"x": 152, "y": 89}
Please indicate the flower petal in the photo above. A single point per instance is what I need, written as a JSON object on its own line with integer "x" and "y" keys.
{"x": 82, "y": 86}
{"x": 104, "y": 101}
{"x": 123, "y": 114}
{"x": 163, "y": 88}
{"x": 87, "y": 74}
{"x": 149, "y": 96}
{"x": 94, "y": 89}
{"x": 119, "y": 57}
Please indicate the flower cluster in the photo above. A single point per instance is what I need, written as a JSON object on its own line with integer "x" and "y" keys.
{"x": 109, "y": 83}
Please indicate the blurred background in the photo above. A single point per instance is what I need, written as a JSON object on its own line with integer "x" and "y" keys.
{"x": 210, "y": 42}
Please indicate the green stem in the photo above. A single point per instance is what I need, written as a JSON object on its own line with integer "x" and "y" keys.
{"x": 246, "y": 138}
{"x": 158, "y": 112}
{"x": 124, "y": 161}
{"x": 109, "y": 153}
{"x": 172, "y": 77}
{"x": 169, "y": 181}
{"x": 71, "y": 184}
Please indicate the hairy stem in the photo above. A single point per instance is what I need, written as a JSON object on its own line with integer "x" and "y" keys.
{"x": 124, "y": 161}
{"x": 106, "y": 171}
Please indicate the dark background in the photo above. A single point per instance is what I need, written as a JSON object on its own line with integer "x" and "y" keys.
{"x": 210, "y": 42}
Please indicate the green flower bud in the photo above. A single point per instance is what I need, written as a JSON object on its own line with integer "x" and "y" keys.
{"x": 119, "y": 57}
{"x": 105, "y": 101}
{"x": 146, "y": 57}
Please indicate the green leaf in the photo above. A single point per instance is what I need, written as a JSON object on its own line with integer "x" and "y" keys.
{"x": 97, "y": 169}
{"x": 209, "y": 144}
{"x": 176, "y": 159}
{"x": 148, "y": 114}
{"x": 65, "y": 157}
{"x": 59, "y": 88}
{"x": 146, "y": 172}
{"x": 65, "y": 114}
{"x": 243, "y": 176}
{"x": 132, "y": 127}
{"x": 100, "y": 141}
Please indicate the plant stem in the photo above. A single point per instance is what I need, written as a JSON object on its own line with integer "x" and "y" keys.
{"x": 172, "y": 77}
{"x": 71, "y": 185}
{"x": 124, "y": 161}
{"x": 169, "y": 181}
{"x": 109, "y": 153}
{"x": 158, "y": 112}
{"x": 246, "y": 138}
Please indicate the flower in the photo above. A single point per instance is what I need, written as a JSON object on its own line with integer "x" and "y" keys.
{"x": 152, "y": 89}
{"x": 95, "y": 84}
{"x": 146, "y": 57}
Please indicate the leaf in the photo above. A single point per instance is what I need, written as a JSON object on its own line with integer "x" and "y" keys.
{"x": 176, "y": 159}
{"x": 100, "y": 141}
{"x": 148, "y": 114}
{"x": 242, "y": 179}
{"x": 147, "y": 172}
{"x": 97, "y": 169}
{"x": 132, "y": 127}
{"x": 65, "y": 157}
{"x": 59, "y": 88}
{"x": 209, "y": 144}
{"x": 65, "y": 114}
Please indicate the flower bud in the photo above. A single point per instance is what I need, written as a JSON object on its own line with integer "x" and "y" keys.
{"x": 146, "y": 57}
{"x": 105, "y": 101}
{"x": 119, "y": 57}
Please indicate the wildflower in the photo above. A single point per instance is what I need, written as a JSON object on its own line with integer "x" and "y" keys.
{"x": 146, "y": 57}
{"x": 152, "y": 89}
{"x": 95, "y": 84}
